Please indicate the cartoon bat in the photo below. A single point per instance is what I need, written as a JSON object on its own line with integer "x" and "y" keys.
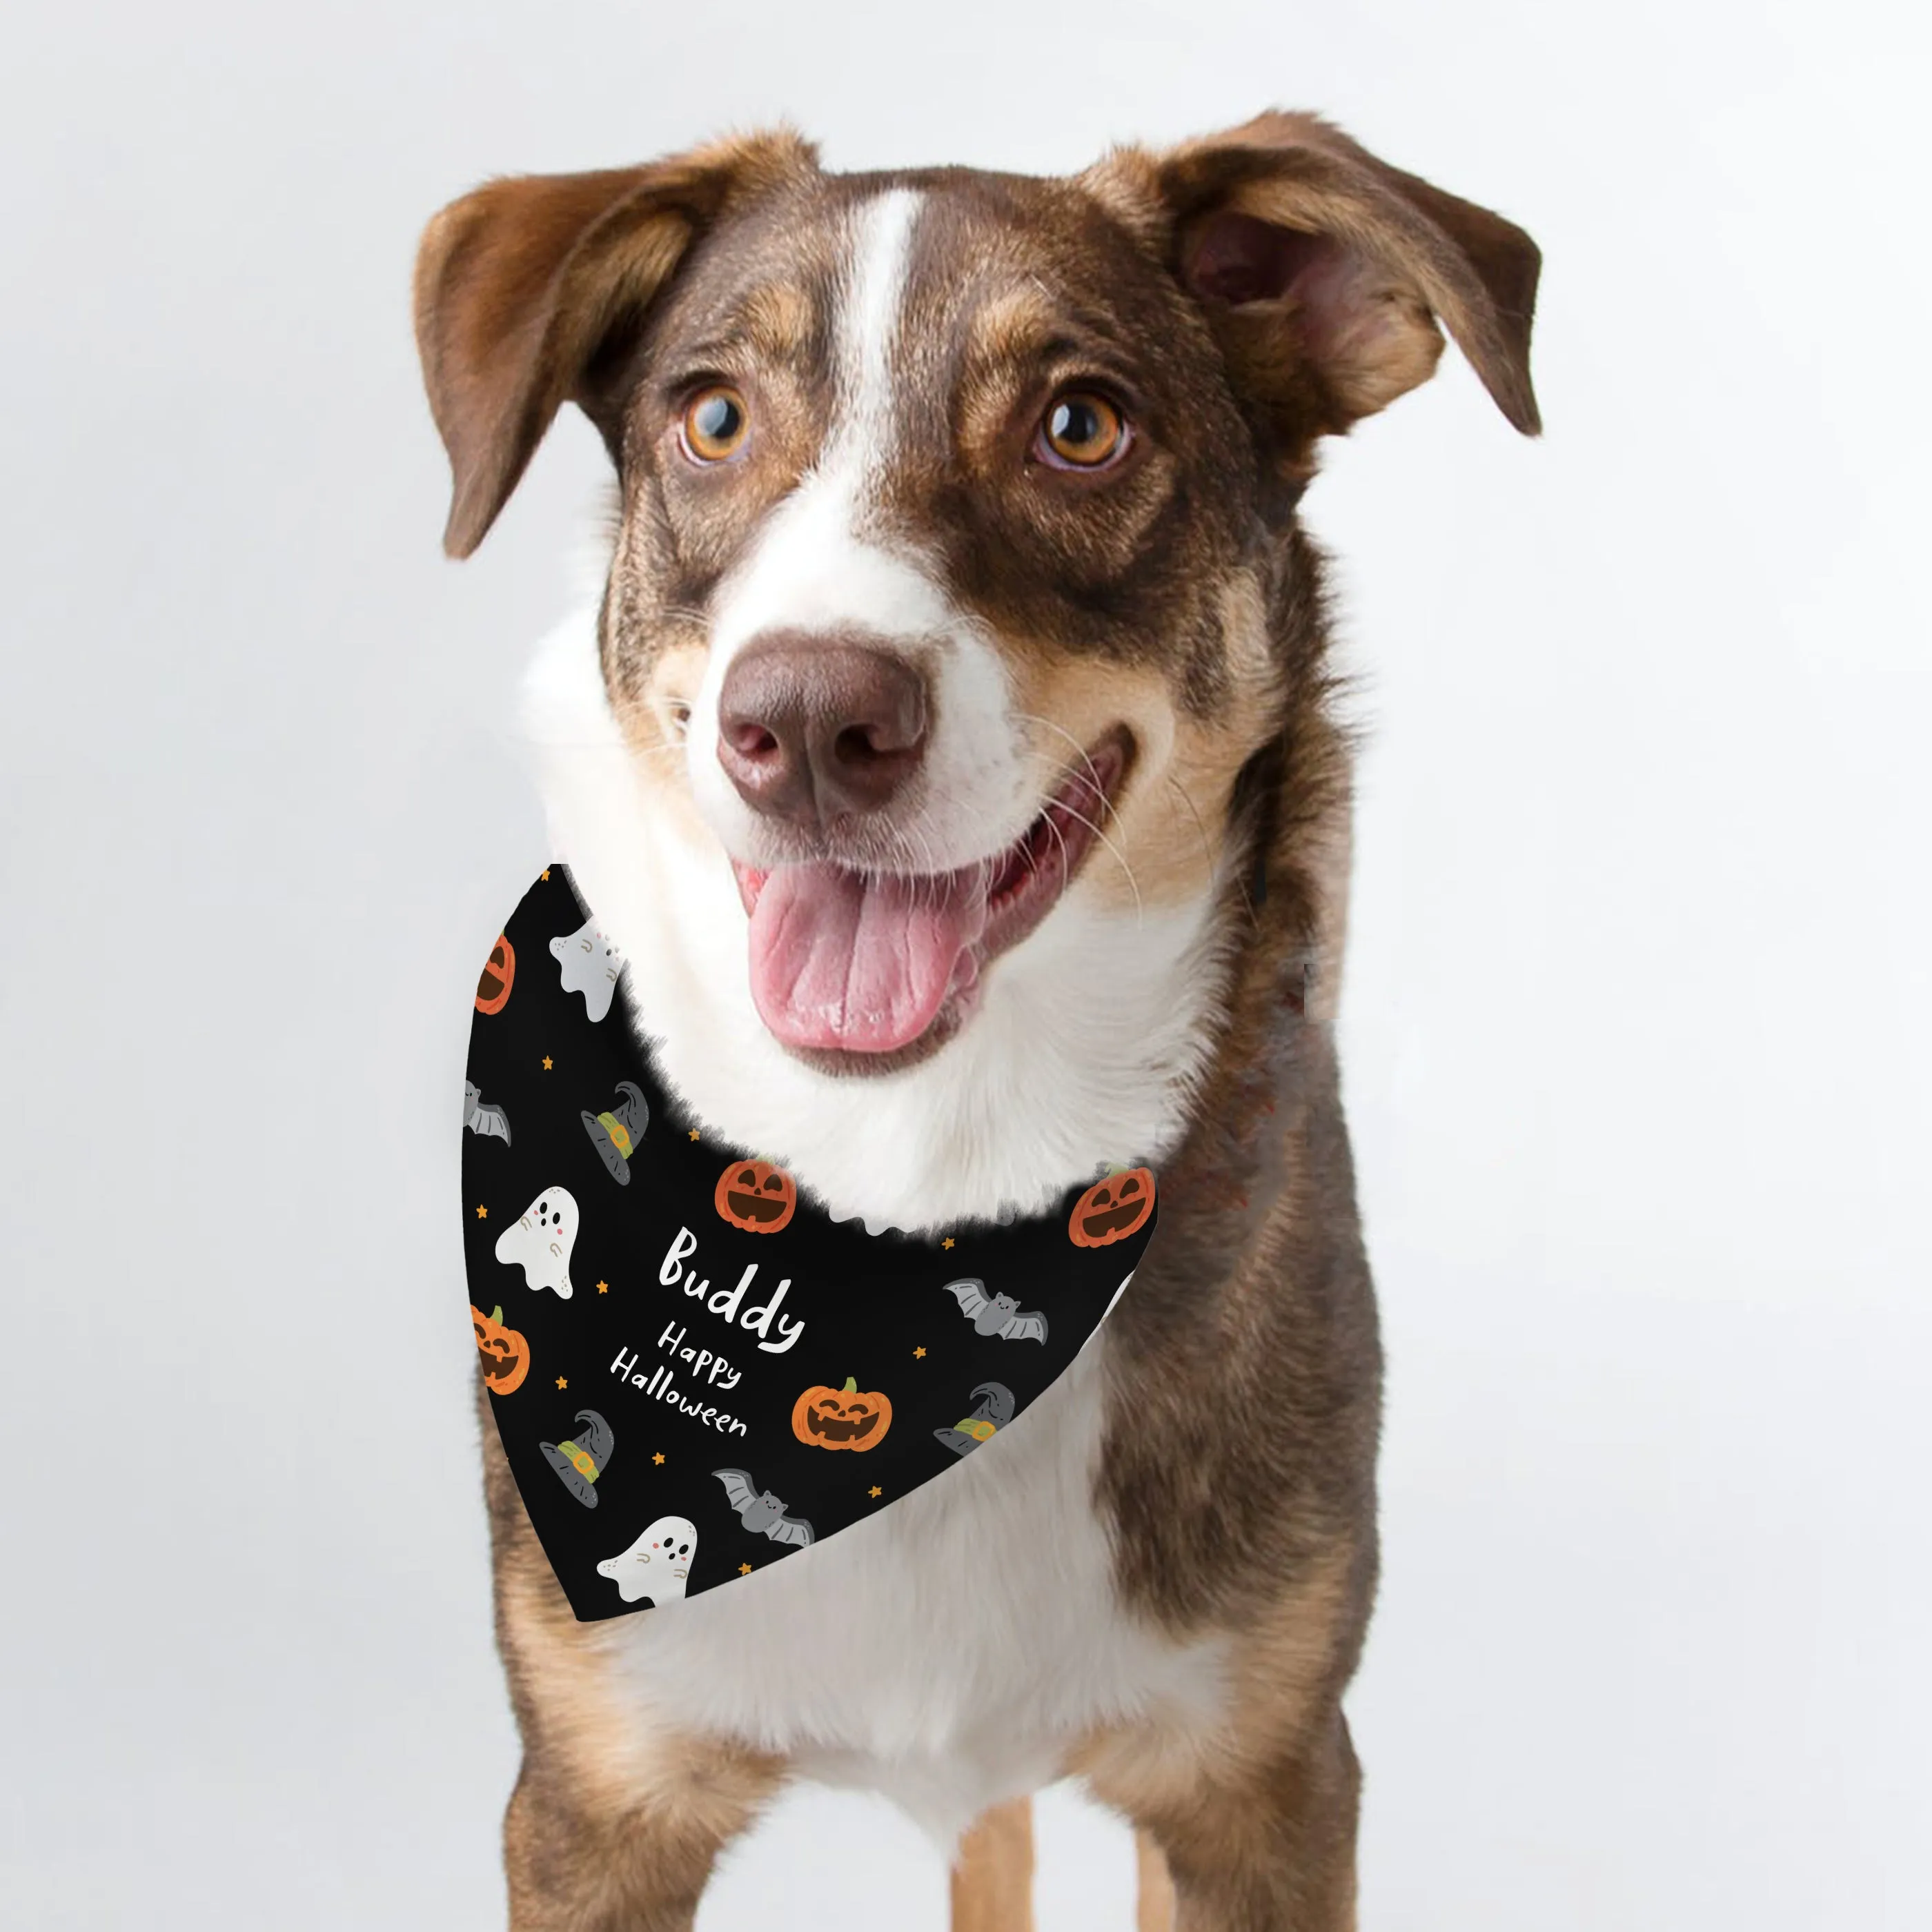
{"x": 484, "y": 1117}
{"x": 763, "y": 1514}
{"x": 998, "y": 1314}
{"x": 992, "y": 1411}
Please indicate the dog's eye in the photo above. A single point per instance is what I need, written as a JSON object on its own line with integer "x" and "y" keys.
{"x": 716, "y": 425}
{"x": 1081, "y": 431}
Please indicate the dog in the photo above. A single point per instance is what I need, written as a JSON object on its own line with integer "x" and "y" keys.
{"x": 953, "y": 756}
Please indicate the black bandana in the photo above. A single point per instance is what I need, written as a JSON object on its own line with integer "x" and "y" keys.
{"x": 694, "y": 1371}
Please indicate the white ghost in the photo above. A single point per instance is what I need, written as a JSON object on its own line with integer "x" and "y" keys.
{"x": 656, "y": 1565}
{"x": 540, "y": 1243}
{"x": 591, "y": 964}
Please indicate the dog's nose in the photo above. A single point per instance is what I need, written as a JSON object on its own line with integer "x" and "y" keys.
{"x": 815, "y": 728}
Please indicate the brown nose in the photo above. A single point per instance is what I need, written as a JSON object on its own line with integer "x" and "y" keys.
{"x": 814, "y": 728}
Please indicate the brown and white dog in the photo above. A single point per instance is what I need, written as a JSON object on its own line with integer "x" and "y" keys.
{"x": 952, "y": 757}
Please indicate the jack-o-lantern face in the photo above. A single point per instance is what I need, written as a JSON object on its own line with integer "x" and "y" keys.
{"x": 506, "y": 1355}
{"x": 756, "y": 1196}
{"x": 1111, "y": 1210}
{"x": 493, "y": 990}
{"x": 848, "y": 1418}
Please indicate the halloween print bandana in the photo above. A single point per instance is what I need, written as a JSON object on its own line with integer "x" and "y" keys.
{"x": 694, "y": 1371}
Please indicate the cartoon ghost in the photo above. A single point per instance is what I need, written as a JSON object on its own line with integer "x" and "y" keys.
{"x": 656, "y": 1565}
{"x": 540, "y": 1243}
{"x": 590, "y": 965}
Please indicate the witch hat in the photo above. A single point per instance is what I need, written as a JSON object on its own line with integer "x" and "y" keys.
{"x": 579, "y": 1462}
{"x": 991, "y": 1414}
{"x": 615, "y": 1133}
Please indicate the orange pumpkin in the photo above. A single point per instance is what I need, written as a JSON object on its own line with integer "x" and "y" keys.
{"x": 848, "y": 1418}
{"x": 506, "y": 1355}
{"x": 499, "y": 971}
{"x": 756, "y": 1196}
{"x": 1112, "y": 1209}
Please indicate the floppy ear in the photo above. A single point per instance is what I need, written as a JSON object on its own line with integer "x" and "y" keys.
{"x": 530, "y": 288}
{"x": 1324, "y": 272}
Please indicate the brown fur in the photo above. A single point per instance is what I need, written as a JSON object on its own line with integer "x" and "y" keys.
{"x": 992, "y": 1877}
{"x": 1245, "y": 296}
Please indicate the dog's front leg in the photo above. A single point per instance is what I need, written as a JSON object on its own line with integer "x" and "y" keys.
{"x": 1154, "y": 1887}
{"x": 992, "y": 1876}
{"x": 616, "y": 1819}
{"x": 577, "y": 1862}
{"x": 1266, "y": 1846}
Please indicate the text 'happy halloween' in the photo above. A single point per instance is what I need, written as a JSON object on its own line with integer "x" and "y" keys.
{"x": 661, "y": 1386}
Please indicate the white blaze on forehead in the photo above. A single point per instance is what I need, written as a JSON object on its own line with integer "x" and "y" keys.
{"x": 821, "y": 564}
{"x": 868, "y": 330}
{"x": 810, "y": 569}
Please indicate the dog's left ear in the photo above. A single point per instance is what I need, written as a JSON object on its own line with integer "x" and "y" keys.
{"x": 529, "y": 291}
{"x": 1324, "y": 271}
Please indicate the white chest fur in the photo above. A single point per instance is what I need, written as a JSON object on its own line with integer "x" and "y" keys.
{"x": 946, "y": 1653}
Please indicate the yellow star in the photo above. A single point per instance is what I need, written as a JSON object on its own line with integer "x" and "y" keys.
{"x": 603, "y": 1288}
{"x": 744, "y": 1569}
{"x": 546, "y": 1062}
{"x": 482, "y": 1213}
{"x": 877, "y": 1491}
{"x": 947, "y": 1243}
{"x": 562, "y": 1382}
{"x": 544, "y": 874}
{"x": 919, "y": 1354}
{"x": 658, "y": 1457}
{"x": 694, "y": 1133}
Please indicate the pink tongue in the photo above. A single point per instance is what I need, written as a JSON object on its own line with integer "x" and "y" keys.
{"x": 840, "y": 960}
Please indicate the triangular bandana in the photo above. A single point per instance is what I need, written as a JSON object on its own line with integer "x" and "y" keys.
{"x": 695, "y": 1372}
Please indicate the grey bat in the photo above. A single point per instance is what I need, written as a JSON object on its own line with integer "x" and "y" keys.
{"x": 991, "y": 1411}
{"x": 762, "y": 1513}
{"x": 484, "y": 1117}
{"x": 998, "y": 1314}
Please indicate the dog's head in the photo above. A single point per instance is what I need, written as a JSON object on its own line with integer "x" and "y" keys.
{"x": 956, "y": 575}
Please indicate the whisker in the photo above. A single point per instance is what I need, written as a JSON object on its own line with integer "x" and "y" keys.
{"x": 1193, "y": 812}
{"x": 1086, "y": 757}
{"x": 1120, "y": 857}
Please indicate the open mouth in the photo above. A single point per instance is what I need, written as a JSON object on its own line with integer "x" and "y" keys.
{"x": 844, "y": 1429}
{"x": 846, "y": 962}
{"x": 754, "y": 1207}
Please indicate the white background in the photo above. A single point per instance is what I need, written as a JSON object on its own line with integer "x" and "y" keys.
{"x": 1636, "y": 1028}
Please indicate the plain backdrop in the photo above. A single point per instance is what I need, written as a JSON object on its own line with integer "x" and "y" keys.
{"x": 1635, "y": 1026}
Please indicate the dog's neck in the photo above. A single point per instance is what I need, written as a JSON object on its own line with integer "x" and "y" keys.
{"x": 1090, "y": 1041}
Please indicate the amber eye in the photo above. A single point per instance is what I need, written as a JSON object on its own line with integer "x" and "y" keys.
{"x": 1081, "y": 431}
{"x": 716, "y": 424}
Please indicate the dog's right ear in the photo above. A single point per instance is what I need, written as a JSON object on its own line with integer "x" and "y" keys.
{"x": 527, "y": 289}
